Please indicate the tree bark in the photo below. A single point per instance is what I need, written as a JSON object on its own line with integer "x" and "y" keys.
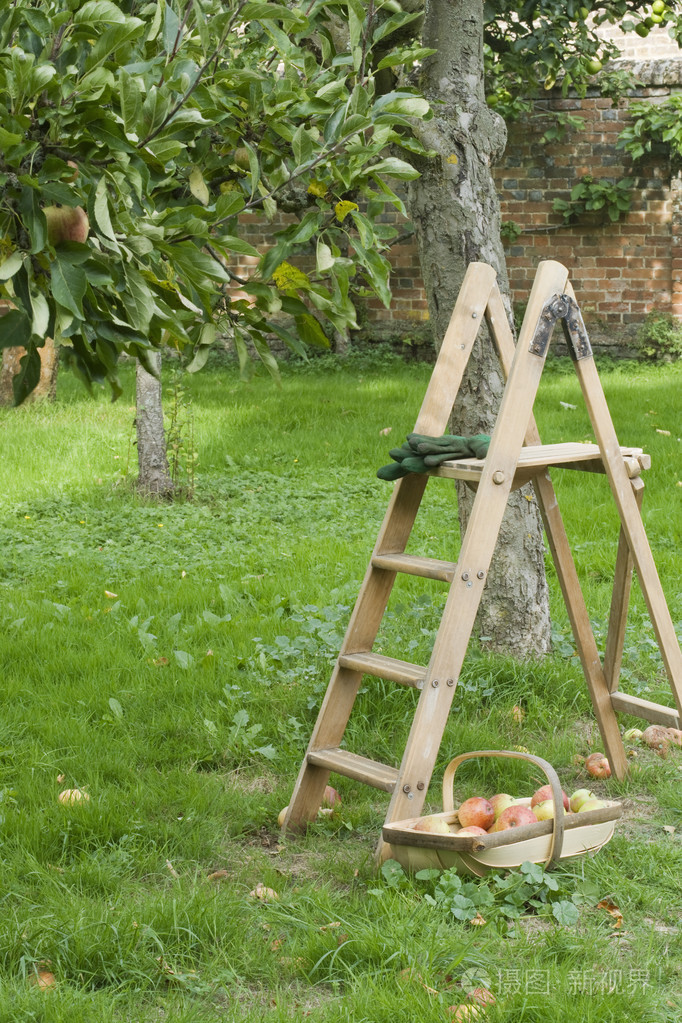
{"x": 455, "y": 211}
{"x": 154, "y": 475}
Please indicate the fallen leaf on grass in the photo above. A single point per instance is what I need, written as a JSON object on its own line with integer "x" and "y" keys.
{"x": 518, "y": 714}
{"x": 613, "y": 910}
{"x": 110, "y": 595}
{"x": 670, "y": 828}
{"x": 219, "y": 875}
{"x": 328, "y": 927}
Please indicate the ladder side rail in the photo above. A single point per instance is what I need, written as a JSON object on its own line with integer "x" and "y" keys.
{"x": 632, "y": 523}
{"x": 569, "y": 582}
{"x": 395, "y": 531}
{"x": 620, "y": 599}
{"x": 476, "y": 554}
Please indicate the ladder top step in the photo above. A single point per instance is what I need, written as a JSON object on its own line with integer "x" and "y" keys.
{"x": 352, "y": 765}
{"x": 539, "y": 456}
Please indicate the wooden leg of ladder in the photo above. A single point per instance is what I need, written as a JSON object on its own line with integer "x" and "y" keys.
{"x": 622, "y": 584}
{"x": 362, "y": 629}
{"x": 632, "y": 524}
{"x": 373, "y": 597}
{"x": 580, "y": 623}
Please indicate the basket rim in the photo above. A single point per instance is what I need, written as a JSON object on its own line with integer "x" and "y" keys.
{"x": 402, "y": 832}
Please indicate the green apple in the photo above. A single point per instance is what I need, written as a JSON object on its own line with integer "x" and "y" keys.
{"x": 579, "y": 797}
{"x": 591, "y": 804}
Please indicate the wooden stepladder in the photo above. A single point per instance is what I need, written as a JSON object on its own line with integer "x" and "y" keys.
{"x": 515, "y": 456}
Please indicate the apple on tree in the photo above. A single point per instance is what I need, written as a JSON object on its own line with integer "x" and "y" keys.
{"x": 66, "y": 224}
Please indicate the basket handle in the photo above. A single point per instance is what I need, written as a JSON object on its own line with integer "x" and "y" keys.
{"x": 558, "y": 829}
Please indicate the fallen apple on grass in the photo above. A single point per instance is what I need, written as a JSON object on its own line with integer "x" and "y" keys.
{"x": 598, "y": 766}
{"x": 69, "y": 797}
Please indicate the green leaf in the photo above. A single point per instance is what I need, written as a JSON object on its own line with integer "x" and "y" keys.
{"x": 101, "y": 210}
{"x": 26, "y": 380}
{"x": 11, "y": 265}
{"x": 95, "y": 12}
{"x": 9, "y": 138}
{"x": 116, "y": 708}
{"x": 131, "y": 101}
{"x": 15, "y": 329}
{"x": 202, "y": 352}
{"x": 311, "y": 332}
{"x": 394, "y": 168}
{"x": 184, "y": 659}
{"x": 198, "y": 187}
{"x": 112, "y": 39}
{"x": 68, "y": 285}
{"x": 565, "y": 913}
{"x": 137, "y": 298}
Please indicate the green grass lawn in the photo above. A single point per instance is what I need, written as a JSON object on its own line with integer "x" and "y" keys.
{"x": 169, "y": 660}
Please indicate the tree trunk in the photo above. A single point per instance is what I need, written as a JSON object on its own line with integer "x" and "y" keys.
{"x": 154, "y": 476}
{"x": 456, "y": 215}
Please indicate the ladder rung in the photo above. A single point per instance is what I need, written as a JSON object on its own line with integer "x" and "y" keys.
{"x": 385, "y": 667}
{"x": 352, "y": 765}
{"x": 654, "y": 712}
{"x": 411, "y": 564}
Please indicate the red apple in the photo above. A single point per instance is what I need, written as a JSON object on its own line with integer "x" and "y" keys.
{"x": 598, "y": 766}
{"x": 500, "y": 802}
{"x": 472, "y": 829}
{"x": 331, "y": 797}
{"x": 540, "y": 795}
{"x": 513, "y": 817}
{"x": 433, "y": 824}
{"x": 476, "y": 811}
{"x": 66, "y": 224}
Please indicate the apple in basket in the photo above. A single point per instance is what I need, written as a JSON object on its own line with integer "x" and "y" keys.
{"x": 471, "y": 830}
{"x": 579, "y": 797}
{"x": 500, "y": 801}
{"x": 476, "y": 811}
{"x": 513, "y": 817}
{"x": 433, "y": 824}
{"x": 541, "y": 795}
{"x": 591, "y": 804}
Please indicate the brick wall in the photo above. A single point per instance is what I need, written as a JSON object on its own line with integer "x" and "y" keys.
{"x": 620, "y": 271}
